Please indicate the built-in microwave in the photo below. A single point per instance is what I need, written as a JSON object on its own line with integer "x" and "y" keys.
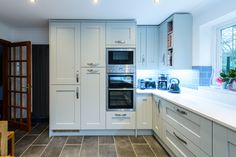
{"x": 120, "y": 56}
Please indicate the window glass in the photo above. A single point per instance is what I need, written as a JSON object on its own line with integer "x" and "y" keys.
{"x": 228, "y": 48}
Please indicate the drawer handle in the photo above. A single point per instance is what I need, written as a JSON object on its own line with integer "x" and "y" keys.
{"x": 77, "y": 78}
{"x": 120, "y": 115}
{"x": 180, "y": 139}
{"x": 120, "y": 41}
{"x": 181, "y": 112}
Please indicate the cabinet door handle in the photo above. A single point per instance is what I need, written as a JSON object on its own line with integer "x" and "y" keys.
{"x": 77, "y": 78}
{"x": 181, "y": 112}
{"x": 180, "y": 139}
{"x": 143, "y": 60}
{"x": 120, "y": 41}
{"x": 144, "y": 99}
{"x": 159, "y": 103}
{"x": 77, "y": 92}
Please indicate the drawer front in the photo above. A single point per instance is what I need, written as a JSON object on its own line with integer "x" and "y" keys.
{"x": 180, "y": 145}
{"x": 194, "y": 127}
{"x": 120, "y": 120}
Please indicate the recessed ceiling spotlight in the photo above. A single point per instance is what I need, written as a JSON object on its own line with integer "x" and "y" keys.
{"x": 156, "y": 1}
{"x": 33, "y": 1}
{"x": 95, "y": 1}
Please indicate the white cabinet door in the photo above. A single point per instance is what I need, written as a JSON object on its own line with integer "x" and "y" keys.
{"x": 152, "y": 47}
{"x": 64, "y": 53}
{"x": 144, "y": 111}
{"x": 157, "y": 117}
{"x": 93, "y": 89}
{"x": 141, "y": 47}
{"x": 147, "y": 47}
{"x": 93, "y": 44}
{"x": 64, "y": 107}
{"x": 120, "y": 34}
{"x": 224, "y": 142}
{"x": 163, "y": 46}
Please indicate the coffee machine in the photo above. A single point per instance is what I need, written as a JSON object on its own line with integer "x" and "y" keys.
{"x": 162, "y": 82}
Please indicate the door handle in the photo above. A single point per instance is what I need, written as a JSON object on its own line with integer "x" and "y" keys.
{"x": 77, "y": 78}
{"x": 77, "y": 92}
{"x": 180, "y": 139}
{"x": 181, "y": 112}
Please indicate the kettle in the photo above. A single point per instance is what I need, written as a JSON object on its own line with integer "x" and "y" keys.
{"x": 174, "y": 85}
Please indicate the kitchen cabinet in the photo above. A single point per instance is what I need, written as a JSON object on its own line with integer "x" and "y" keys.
{"x": 157, "y": 116}
{"x": 120, "y": 34}
{"x": 179, "y": 144}
{"x": 176, "y": 41}
{"x": 147, "y": 47}
{"x": 93, "y": 93}
{"x": 64, "y": 53}
{"x": 194, "y": 127}
{"x": 224, "y": 141}
{"x": 64, "y": 107}
{"x": 93, "y": 45}
{"x": 120, "y": 120}
{"x": 144, "y": 111}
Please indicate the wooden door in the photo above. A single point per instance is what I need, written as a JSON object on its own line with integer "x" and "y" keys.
{"x": 19, "y": 85}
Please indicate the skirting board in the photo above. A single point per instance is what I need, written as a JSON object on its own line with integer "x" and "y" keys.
{"x": 99, "y": 132}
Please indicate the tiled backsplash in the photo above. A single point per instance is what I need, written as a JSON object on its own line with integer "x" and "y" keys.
{"x": 205, "y": 73}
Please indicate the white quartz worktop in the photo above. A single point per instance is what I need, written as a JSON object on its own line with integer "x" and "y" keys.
{"x": 219, "y": 112}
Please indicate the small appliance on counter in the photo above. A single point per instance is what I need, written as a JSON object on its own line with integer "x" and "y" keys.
{"x": 162, "y": 82}
{"x": 141, "y": 84}
{"x": 146, "y": 84}
{"x": 150, "y": 84}
{"x": 174, "y": 85}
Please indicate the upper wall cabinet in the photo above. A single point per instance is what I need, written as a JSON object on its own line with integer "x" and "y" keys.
{"x": 147, "y": 45}
{"x": 64, "y": 53}
{"x": 120, "y": 34}
{"x": 93, "y": 45}
{"x": 176, "y": 40}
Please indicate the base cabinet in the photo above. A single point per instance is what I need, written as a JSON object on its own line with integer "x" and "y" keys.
{"x": 224, "y": 141}
{"x": 120, "y": 120}
{"x": 64, "y": 107}
{"x": 93, "y": 98}
{"x": 144, "y": 111}
{"x": 157, "y": 117}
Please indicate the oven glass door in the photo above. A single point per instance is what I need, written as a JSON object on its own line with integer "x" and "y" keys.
{"x": 120, "y": 81}
{"x": 120, "y": 57}
{"x": 120, "y": 99}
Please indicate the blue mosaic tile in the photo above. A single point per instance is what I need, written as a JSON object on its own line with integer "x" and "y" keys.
{"x": 205, "y": 73}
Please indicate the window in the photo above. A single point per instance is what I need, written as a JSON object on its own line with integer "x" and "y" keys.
{"x": 227, "y": 49}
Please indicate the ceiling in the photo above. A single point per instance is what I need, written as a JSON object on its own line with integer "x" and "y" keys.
{"x": 22, "y": 13}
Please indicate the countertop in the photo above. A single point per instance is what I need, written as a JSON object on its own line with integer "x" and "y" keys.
{"x": 219, "y": 112}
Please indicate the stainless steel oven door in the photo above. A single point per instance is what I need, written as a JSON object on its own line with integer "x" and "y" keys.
{"x": 121, "y": 99}
{"x": 121, "y": 80}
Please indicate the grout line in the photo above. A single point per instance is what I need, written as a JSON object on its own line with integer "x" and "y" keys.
{"x": 98, "y": 146}
{"x": 115, "y": 146}
{"x": 132, "y": 146}
{"x": 32, "y": 143}
{"x": 63, "y": 146}
{"x": 46, "y": 146}
{"x": 40, "y": 135}
{"x": 27, "y": 133}
{"x": 150, "y": 146}
{"x": 81, "y": 146}
{"x": 74, "y": 144}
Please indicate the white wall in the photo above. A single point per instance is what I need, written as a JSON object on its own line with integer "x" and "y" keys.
{"x": 6, "y": 32}
{"x": 35, "y": 35}
{"x": 205, "y": 21}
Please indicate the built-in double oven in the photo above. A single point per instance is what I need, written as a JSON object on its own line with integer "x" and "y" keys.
{"x": 120, "y": 79}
